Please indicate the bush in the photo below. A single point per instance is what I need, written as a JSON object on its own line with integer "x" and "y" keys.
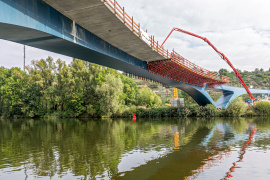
{"x": 157, "y": 112}
{"x": 143, "y": 112}
{"x": 198, "y": 111}
{"x": 129, "y": 111}
{"x": 184, "y": 111}
{"x": 204, "y": 111}
{"x": 262, "y": 108}
{"x": 210, "y": 110}
{"x": 237, "y": 107}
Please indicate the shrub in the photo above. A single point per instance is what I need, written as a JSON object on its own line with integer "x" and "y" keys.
{"x": 262, "y": 108}
{"x": 198, "y": 111}
{"x": 142, "y": 112}
{"x": 158, "y": 112}
{"x": 210, "y": 110}
{"x": 184, "y": 111}
{"x": 204, "y": 111}
{"x": 237, "y": 107}
{"x": 129, "y": 111}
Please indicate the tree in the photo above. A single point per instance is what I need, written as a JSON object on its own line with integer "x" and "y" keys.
{"x": 148, "y": 97}
{"x": 257, "y": 70}
{"x": 130, "y": 91}
{"x": 109, "y": 93}
{"x": 223, "y": 72}
{"x": 11, "y": 81}
{"x": 237, "y": 107}
{"x": 31, "y": 95}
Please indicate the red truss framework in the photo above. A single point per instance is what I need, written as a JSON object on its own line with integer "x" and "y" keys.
{"x": 180, "y": 69}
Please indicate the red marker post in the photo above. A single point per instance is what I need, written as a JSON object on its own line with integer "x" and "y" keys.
{"x": 134, "y": 117}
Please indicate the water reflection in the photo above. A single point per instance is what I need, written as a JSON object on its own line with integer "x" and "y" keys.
{"x": 122, "y": 149}
{"x": 242, "y": 152}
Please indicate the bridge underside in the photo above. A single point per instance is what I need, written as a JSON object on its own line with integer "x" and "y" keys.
{"x": 95, "y": 16}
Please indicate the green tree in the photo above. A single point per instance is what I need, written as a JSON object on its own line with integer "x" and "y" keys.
{"x": 109, "y": 94}
{"x": 130, "y": 91}
{"x": 148, "y": 97}
{"x": 237, "y": 107}
{"x": 12, "y": 81}
{"x": 31, "y": 95}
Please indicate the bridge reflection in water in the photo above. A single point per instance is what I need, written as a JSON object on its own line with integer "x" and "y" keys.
{"x": 159, "y": 149}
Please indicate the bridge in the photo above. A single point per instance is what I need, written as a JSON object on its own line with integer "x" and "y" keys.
{"x": 101, "y": 32}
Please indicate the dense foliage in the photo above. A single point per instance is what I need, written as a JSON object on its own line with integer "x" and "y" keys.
{"x": 262, "y": 108}
{"x": 237, "y": 107}
{"x": 50, "y": 88}
{"x": 82, "y": 89}
{"x": 259, "y": 78}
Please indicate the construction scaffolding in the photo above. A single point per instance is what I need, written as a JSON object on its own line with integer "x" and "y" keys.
{"x": 180, "y": 69}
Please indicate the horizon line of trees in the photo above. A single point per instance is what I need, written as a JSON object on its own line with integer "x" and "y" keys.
{"x": 259, "y": 78}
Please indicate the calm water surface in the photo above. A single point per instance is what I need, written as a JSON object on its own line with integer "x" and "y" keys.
{"x": 148, "y": 149}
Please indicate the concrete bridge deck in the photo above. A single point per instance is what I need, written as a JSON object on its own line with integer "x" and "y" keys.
{"x": 96, "y": 17}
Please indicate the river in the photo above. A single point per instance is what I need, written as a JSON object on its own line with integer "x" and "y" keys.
{"x": 210, "y": 148}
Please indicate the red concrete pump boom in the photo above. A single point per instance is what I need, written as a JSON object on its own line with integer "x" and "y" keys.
{"x": 219, "y": 53}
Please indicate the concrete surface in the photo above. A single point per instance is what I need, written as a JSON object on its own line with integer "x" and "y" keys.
{"x": 96, "y": 17}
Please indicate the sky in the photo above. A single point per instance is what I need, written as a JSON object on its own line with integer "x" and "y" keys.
{"x": 12, "y": 54}
{"x": 240, "y": 29}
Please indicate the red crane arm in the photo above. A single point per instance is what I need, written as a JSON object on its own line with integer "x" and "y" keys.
{"x": 219, "y": 53}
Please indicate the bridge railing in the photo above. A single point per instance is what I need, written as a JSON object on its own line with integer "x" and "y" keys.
{"x": 119, "y": 11}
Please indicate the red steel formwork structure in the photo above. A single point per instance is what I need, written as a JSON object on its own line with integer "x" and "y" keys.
{"x": 180, "y": 69}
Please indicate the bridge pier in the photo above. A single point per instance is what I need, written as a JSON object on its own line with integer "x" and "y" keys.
{"x": 230, "y": 93}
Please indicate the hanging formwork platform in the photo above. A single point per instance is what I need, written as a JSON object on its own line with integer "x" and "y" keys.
{"x": 180, "y": 69}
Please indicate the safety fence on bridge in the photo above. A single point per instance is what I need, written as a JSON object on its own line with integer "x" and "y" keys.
{"x": 174, "y": 66}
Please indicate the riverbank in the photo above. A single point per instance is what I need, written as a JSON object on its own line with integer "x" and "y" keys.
{"x": 236, "y": 109}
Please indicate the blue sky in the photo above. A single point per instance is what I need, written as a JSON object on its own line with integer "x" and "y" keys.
{"x": 240, "y": 29}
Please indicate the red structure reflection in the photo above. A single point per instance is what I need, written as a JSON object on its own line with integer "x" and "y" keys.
{"x": 241, "y": 156}
{"x": 216, "y": 159}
